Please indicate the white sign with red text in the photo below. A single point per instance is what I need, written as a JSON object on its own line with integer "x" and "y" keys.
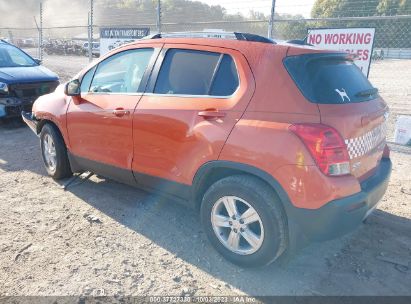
{"x": 357, "y": 41}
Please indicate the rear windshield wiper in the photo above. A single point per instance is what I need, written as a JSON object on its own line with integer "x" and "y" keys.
{"x": 367, "y": 93}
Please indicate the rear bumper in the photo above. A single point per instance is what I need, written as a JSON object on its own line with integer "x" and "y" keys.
{"x": 341, "y": 216}
{"x": 30, "y": 120}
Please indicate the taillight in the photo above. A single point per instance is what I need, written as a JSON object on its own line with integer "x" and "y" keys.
{"x": 326, "y": 146}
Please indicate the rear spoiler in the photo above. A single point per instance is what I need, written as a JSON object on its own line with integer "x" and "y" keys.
{"x": 299, "y": 41}
{"x": 309, "y": 57}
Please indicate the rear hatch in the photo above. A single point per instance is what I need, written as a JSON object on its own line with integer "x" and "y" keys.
{"x": 347, "y": 101}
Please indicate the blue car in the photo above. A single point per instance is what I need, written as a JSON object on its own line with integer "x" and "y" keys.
{"x": 22, "y": 81}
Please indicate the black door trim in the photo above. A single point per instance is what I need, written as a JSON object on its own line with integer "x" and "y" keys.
{"x": 79, "y": 164}
{"x": 171, "y": 189}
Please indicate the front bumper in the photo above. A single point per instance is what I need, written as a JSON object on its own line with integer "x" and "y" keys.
{"x": 30, "y": 120}
{"x": 343, "y": 215}
{"x": 10, "y": 110}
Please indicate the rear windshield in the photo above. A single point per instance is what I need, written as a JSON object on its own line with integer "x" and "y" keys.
{"x": 329, "y": 79}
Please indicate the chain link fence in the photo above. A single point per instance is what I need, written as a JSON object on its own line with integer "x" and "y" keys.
{"x": 57, "y": 32}
{"x": 63, "y": 35}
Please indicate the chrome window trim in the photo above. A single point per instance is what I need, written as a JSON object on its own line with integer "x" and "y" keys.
{"x": 113, "y": 93}
{"x": 194, "y": 96}
{"x": 165, "y": 95}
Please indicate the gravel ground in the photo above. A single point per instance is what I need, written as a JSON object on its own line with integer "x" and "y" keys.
{"x": 105, "y": 238}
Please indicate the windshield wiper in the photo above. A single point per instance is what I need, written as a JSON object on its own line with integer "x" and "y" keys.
{"x": 367, "y": 93}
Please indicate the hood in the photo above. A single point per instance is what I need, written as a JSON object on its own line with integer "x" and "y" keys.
{"x": 38, "y": 73}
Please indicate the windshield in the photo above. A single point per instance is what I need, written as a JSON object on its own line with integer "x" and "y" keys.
{"x": 329, "y": 79}
{"x": 10, "y": 56}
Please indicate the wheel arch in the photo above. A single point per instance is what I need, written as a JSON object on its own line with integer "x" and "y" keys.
{"x": 43, "y": 122}
{"x": 213, "y": 171}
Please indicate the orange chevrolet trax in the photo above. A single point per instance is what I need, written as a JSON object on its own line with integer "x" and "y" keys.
{"x": 274, "y": 144}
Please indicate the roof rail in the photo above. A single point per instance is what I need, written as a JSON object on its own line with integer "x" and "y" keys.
{"x": 213, "y": 34}
{"x": 299, "y": 41}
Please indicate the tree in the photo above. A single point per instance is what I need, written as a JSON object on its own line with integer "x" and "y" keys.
{"x": 358, "y": 8}
{"x": 344, "y": 8}
{"x": 405, "y": 7}
{"x": 294, "y": 28}
{"x": 389, "y": 33}
{"x": 394, "y": 7}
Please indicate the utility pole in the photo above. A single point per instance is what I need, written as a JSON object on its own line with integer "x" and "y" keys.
{"x": 271, "y": 22}
{"x": 90, "y": 31}
{"x": 159, "y": 16}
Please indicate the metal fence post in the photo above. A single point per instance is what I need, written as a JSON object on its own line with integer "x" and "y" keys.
{"x": 41, "y": 32}
{"x": 90, "y": 32}
{"x": 159, "y": 16}
{"x": 271, "y": 22}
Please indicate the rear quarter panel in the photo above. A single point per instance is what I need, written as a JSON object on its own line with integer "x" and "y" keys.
{"x": 262, "y": 139}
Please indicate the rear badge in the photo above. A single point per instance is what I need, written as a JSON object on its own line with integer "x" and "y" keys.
{"x": 343, "y": 94}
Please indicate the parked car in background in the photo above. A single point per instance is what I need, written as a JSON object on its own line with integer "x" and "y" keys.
{"x": 22, "y": 81}
{"x": 29, "y": 43}
{"x": 6, "y": 40}
{"x": 274, "y": 144}
{"x": 25, "y": 43}
{"x": 63, "y": 47}
{"x": 119, "y": 43}
{"x": 95, "y": 49}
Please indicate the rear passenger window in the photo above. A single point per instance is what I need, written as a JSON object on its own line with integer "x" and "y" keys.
{"x": 191, "y": 72}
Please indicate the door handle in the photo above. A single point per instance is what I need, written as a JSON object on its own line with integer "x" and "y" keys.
{"x": 211, "y": 114}
{"x": 120, "y": 112}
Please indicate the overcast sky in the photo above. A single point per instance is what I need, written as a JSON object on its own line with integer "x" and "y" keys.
{"x": 302, "y": 7}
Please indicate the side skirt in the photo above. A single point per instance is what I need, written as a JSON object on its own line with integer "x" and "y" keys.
{"x": 178, "y": 192}
{"x": 79, "y": 164}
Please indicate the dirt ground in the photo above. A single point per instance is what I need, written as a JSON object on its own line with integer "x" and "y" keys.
{"x": 105, "y": 238}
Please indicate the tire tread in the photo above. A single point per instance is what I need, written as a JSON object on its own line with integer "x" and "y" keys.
{"x": 63, "y": 169}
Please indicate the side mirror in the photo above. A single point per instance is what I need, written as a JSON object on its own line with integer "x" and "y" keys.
{"x": 72, "y": 88}
{"x": 38, "y": 61}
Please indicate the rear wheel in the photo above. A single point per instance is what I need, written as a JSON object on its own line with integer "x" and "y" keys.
{"x": 244, "y": 221}
{"x": 54, "y": 153}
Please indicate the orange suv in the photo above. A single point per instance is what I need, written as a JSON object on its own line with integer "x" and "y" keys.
{"x": 274, "y": 144}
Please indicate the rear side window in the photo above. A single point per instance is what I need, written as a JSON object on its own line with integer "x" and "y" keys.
{"x": 326, "y": 79}
{"x": 191, "y": 72}
{"x": 226, "y": 80}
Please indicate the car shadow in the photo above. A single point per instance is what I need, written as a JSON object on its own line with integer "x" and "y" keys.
{"x": 177, "y": 229}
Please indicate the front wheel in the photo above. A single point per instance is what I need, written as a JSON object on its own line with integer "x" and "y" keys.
{"x": 244, "y": 220}
{"x": 54, "y": 153}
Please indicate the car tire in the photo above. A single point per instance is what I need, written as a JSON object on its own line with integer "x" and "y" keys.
{"x": 54, "y": 152}
{"x": 258, "y": 240}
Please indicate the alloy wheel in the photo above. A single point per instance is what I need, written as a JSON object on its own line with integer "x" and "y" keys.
{"x": 237, "y": 225}
{"x": 49, "y": 152}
